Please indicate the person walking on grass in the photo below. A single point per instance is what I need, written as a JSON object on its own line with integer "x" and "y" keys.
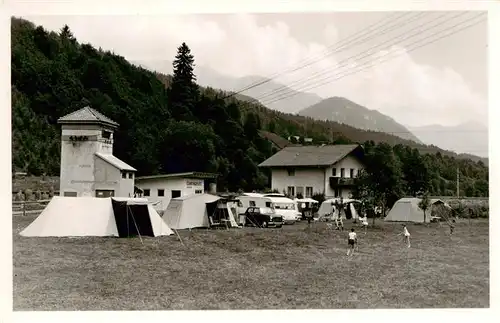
{"x": 406, "y": 235}
{"x": 352, "y": 240}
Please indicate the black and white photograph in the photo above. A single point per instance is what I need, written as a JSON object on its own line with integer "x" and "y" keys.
{"x": 194, "y": 161}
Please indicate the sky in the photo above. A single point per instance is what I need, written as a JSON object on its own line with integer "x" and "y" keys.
{"x": 444, "y": 82}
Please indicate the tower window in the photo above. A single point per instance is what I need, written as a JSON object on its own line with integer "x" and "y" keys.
{"x": 106, "y": 134}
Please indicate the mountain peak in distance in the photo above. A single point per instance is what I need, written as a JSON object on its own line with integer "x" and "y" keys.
{"x": 342, "y": 110}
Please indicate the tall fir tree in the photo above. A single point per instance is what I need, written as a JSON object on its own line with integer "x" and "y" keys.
{"x": 183, "y": 94}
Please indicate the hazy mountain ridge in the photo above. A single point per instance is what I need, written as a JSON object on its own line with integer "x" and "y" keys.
{"x": 350, "y": 113}
{"x": 467, "y": 138}
{"x": 208, "y": 77}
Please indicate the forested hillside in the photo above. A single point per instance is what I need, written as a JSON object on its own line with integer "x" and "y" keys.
{"x": 169, "y": 124}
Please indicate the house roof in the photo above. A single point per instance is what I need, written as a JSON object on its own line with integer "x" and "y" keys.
{"x": 115, "y": 162}
{"x": 87, "y": 115}
{"x": 309, "y": 155}
{"x": 179, "y": 175}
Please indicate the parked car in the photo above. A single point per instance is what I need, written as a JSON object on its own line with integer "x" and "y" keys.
{"x": 263, "y": 217}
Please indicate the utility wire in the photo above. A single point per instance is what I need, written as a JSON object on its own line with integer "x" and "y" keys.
{"x": 407, "y": 50}
{"x": 369, "y": 52}
{"x": 323, "y": 54}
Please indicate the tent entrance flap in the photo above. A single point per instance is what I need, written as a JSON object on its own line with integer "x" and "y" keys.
{"x": 132, "y": 220}
{"x": 220, "y": 213}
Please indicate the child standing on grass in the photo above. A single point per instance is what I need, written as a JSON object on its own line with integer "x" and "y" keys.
{"x": 351, "y": 242}
{"x": 364, "y": 221}
{"x": 452, "y": 227}
{"x": 406, "y": 235}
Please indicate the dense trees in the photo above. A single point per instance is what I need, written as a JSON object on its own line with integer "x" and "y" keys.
{"x": 169, "y": 124}
{"x": 395, "y": 172}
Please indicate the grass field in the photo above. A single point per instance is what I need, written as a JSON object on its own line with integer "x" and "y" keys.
{"x": 290, "y": 268}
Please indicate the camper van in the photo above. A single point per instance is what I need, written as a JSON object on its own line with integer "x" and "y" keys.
{"x": 285, "y": 207}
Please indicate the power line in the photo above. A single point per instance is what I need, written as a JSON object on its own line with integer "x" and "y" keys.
{"x": 407, "y": 50}
{"x": 367, "y": 53}
{"x": 280, "y": 97}
{"x": 324, "y": 53}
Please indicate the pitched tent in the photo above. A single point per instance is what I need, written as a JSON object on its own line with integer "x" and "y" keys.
{"x": 407, "y": 210}
{"x": 92, "y": 216}
{"x": 192, "y": 211}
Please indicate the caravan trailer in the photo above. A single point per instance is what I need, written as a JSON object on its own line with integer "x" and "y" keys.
{"x": 285, "y": 207}
{"x": 252, "y": 199}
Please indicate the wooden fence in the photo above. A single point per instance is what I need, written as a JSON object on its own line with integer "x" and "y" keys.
{"x": 28, "y": 207}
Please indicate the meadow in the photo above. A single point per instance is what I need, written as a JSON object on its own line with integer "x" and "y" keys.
{"x": 295, "y": 267}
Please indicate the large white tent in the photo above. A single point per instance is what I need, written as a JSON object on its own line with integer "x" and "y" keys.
{"x": 193, "y": 211}
{"x": 407, "y": 210}
{"x": 91, "y": 216}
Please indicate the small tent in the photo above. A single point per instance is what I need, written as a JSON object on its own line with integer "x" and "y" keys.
{"x": 92, "y": 216}
{"x": 407, "y": 210}
{"x": 195, "y": 211}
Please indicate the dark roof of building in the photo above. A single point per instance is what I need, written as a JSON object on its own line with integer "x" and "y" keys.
{"x": 87, "y": 115}
{"x": 278, "y": 141}
{"x": 296, "y": 156}
{"x": 199, "y": 175}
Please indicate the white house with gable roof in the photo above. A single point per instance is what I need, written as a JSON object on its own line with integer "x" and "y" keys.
{"x": 308, "y": 170}
{"x": 88, "y": 167}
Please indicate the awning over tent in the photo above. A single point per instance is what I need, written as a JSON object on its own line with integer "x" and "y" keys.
{"x": 306, "y": 200}
{"x": 326, "y": 206}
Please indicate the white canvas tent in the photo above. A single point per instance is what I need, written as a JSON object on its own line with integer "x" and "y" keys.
{"x": 193, "y": 211}
{"x": 92, "y": 216}
{"x": 407, "y": 210}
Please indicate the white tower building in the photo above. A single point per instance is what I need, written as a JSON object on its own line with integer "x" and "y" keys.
{"x": 88, "y": 167}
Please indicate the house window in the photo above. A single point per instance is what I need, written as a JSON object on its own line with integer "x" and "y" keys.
{"x": 124, "y": 174}
{"x": 342, "y": 172}
{"x": 161, "y": 192}
{"x": 309, "y": 191}
{"x": 291, "y": 172}
{"x": 251, "y": 203}
{"x": 70, "y": 194}
{"x": 351, "y": 175}
{"x": 291, "y": 190}
{"x": 130, "y": 175}
{"x": 146, "y": 192}
{"x": 198, "y": 191}
{"x": 334, "y": 172}
{"x": 300, "y": 190}
{"x": 176, "y": 193}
